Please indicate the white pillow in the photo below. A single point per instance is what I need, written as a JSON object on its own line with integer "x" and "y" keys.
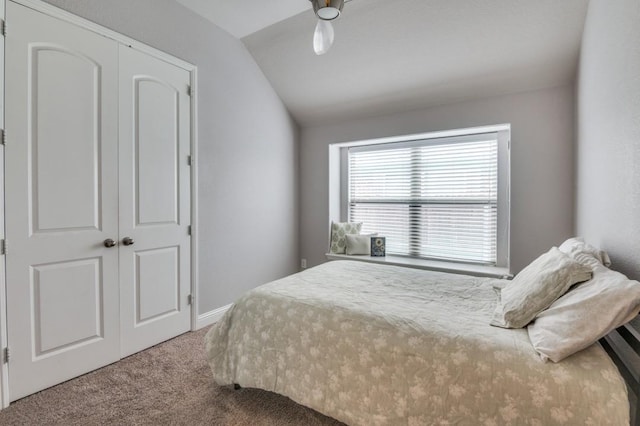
{"x": 536, "y": 287}
{"x": 359, "y": 244}
{"x": 585, "y": 253}
{"x": 585, "y": 314}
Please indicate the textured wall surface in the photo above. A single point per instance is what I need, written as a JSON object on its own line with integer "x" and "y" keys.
{"x": 608, "y": 133}
{"x": 541, "y": 164}
{"x": 247, "y": 147}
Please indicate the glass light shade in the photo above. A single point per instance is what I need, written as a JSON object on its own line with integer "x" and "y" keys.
{"x": 328, "y": 13}
{"x": 322, "y": 37}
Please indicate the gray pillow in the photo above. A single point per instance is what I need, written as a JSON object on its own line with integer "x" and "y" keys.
{"x": 585, "y": 314}
{"x": 536, "y": 287}
{"x": 339, "y": 230}
{"x": 359, "y": 244}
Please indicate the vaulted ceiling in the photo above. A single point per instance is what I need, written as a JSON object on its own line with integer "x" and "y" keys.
{"x": 392, "y": 56}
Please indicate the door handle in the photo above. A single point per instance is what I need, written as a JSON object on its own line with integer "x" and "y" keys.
{"x": 128, "y": 241}
{"x": 109, "y": 243}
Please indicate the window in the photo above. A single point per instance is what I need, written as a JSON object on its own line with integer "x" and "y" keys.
{"x": 437, "y": 198}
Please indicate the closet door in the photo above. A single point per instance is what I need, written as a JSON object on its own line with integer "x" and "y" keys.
{"x": 155, "y": 273}
{"x": 61, "y": 200}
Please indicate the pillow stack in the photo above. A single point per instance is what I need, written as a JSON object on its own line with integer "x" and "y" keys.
{"x": 587, "y": 312}
{"x": 564, "y": 308}
{"x": 346, "y": 239}
{"x": 339, "y": 232}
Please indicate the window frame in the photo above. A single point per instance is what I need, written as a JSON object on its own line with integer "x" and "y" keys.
{"x": 339, "y": 182}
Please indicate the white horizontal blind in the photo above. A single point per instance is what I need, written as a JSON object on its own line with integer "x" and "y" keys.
{"x": 435, "y": 199}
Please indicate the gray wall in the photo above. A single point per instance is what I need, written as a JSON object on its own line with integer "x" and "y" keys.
{"x": 608, "y": 132}
{"x": 541, "y": 164}
{"x": 247, "y": 147}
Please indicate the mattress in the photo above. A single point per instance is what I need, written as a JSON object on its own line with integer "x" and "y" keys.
{"x": 372, "y": 344}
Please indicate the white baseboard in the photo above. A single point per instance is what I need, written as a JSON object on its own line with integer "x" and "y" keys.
{"x": 211, "y": 317}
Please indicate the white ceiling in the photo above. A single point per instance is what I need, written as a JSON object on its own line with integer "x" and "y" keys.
{"x": 243, "y": 17}
{"x": 392, "y": 56}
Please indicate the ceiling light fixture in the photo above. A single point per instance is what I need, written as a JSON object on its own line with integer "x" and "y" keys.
{"x": 326, "y": 11}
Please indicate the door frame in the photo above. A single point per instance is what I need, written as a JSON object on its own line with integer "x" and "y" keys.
{"x": 58, "y": 13}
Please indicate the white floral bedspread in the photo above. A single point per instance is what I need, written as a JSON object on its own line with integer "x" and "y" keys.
{"x": 373, "y": 344}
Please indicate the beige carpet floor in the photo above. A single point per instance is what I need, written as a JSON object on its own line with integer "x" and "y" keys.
{"x": 169, "y": 384}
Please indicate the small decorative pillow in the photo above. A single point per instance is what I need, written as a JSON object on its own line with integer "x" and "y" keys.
{"x": 536, "y": 287}
{"x": 585, "y": 253}
{"x": 359, "y": 244}
{"x": 585, "y": 314}
{"x": 339, "y": 231}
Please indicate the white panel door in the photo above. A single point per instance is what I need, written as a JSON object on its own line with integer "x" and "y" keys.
{"x": 61, "y": 200}
{"x": 155, "y": 273}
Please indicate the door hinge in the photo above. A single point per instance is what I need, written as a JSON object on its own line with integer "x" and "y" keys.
{"x": 3, "y": 27}
{"x": 3, "y": 139}
{"x": 189, "y": 90}
{"x": 189, "y": 230}
{"x": 3, "y": 247}
{"x": 6, "y": 355}
{"x": 188, "y": 160}
{"x": 189, "y": 300}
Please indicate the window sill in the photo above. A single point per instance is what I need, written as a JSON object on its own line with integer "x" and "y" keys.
{"x": 432, "y": 265}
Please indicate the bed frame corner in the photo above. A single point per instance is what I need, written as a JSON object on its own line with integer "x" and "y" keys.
{"x": 623, "y": 346}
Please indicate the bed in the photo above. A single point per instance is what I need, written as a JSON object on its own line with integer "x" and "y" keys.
{"x": 367, "y": 345}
